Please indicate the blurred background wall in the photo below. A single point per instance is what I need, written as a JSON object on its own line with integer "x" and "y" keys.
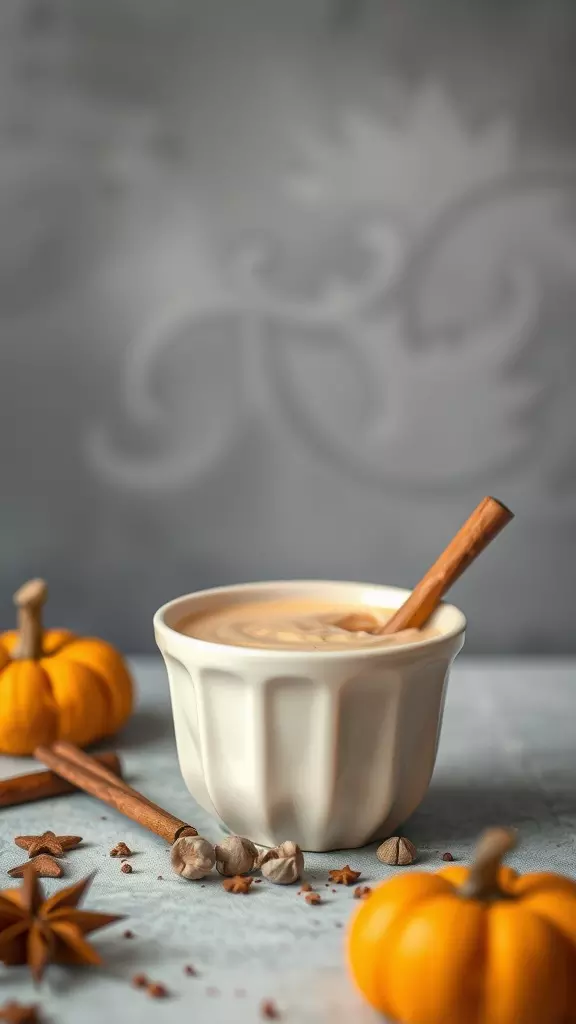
{"x": 285, "y": 287}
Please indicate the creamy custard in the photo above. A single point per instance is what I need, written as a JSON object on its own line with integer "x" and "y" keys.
{"x": 298, "y": 624}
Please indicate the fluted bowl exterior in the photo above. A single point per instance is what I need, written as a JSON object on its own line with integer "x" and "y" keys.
{"x": 329, "y": 749}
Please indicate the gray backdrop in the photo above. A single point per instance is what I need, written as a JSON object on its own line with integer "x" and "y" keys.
{"x": 285, "y": 287}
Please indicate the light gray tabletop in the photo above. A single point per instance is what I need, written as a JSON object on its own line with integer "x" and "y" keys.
{"x": 507, "y": 756}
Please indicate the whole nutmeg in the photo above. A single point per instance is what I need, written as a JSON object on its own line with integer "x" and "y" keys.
{"x": 397, "y": 850}
{"x": 284, "y": 864}
{"x": 235, "y": 856}
{"x": 192, "y": 857}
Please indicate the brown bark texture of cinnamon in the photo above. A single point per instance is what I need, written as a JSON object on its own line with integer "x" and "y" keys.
{"x": 23, "y": 789}
{"x": 85, "y": 775}
{"x": 79, "y": 757}
{"x": 485, "y": 523}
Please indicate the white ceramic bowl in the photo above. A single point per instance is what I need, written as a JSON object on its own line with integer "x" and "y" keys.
{"x": 330, "y": 749}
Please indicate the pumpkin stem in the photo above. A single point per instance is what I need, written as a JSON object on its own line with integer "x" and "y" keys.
{"x": 482, "y": 881}
{"x": 29, "y": 601}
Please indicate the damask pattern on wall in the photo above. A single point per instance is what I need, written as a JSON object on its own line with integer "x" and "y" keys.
{"x": 409, "y": 371}
{"x": 271, "y": 281}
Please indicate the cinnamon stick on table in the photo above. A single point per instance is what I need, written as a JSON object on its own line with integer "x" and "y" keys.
{"x": 83, "y": 773}
{"x": 22, "y": 789}
{"x": 79, "y": 757}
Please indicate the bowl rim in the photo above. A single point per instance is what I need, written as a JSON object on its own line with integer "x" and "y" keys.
{"x": 281, "y": 654}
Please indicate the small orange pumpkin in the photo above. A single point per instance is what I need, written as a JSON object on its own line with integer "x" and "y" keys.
{"x": 55, "y": 685}
{"x": 483, "y": 945}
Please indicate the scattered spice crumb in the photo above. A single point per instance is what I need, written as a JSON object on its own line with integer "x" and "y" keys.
{"x": 334, "y": 890}
{"x": 327, "y": 884}
{"x": 128, "y": 934}
{"x": 190, "y": 971}
{"x": 103, "y": 817}
{"x": 160, "y": 878}
{"x": 257, "y": 881}
{"x": 238, "y": 884}
{"x": 313, "y": 898}
{"x": 306, "y": 887}
{"x": 447, "y": 856}
{"x": 156, "y": 990}
{"x": 362, "y": 892}
{"x": 344, "y": 876}
{"x": 269, "y": 1010}
{"x": 338, "y": 924}
{"x": 120, "y": 850}
{"x": 126, "y": 868}
{"x": 139, "y": 981}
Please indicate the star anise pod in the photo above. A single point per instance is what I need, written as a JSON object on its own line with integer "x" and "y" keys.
{"x": 43, "y": 865}
{"x": 17, "y": 1013}
{"x": 37, "y": 931}
{"x": 344, "y": 876}
{"x": 48, "y": 842}
{"x": 239, "y": 883}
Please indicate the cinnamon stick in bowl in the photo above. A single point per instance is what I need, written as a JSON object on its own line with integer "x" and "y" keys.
{"x": 485, "y": 523}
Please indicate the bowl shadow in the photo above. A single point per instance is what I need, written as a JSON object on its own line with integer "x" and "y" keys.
{"x": 146, "y": 727}
{"x": 460, "y": 812}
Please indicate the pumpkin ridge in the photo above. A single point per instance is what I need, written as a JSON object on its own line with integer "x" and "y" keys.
{"x": 31, "y": 705}
{"x": 394, "y": 930}
{"x": 64, "y": 643}
{"x": 476, "y": 995}
{"x": 550, "y": 923}
{"x": 548, "y": 944}
{"x": 540, "y": 883}
{"x": 94, "y": 653}
{"x": 4, "y": 660}
{"x": 105, "y": 687}
{"x": 100, "y": 716}
{"x": 483, "y": 959}
{"x": 48, "y": 679}
{"x": 46, "y": 675}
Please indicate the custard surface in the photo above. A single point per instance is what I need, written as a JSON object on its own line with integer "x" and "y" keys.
{"x": 298, "y": 624}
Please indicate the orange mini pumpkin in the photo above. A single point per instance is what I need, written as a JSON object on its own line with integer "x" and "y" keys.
{"x": 483, "y": 945}
{"x": 55, "y": 685}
